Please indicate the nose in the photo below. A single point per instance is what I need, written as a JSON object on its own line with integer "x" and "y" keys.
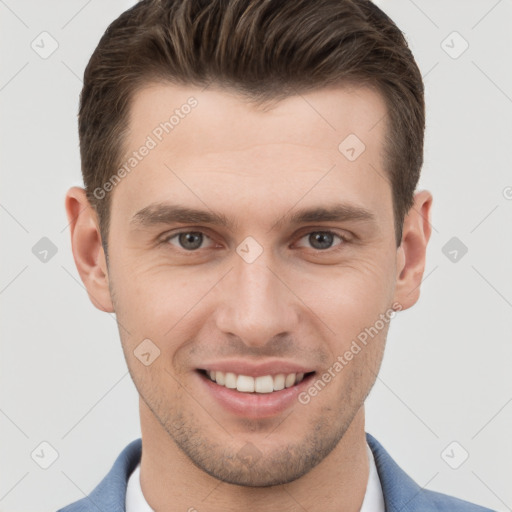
{"x": 256, "y": 303}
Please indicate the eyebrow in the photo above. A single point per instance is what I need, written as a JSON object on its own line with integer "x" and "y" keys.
{"x": 166, "y": 213}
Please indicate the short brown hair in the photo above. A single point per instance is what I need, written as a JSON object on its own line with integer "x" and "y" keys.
{"x": 263, "y": 49}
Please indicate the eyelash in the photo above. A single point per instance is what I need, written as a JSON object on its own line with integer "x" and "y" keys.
{"x": 344, "y": 239}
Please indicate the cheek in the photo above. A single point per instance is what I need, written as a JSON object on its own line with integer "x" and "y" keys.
{"x": 347, "y": 297}
{"x": 144, "y": 285}
{"x": 156, "y": 301}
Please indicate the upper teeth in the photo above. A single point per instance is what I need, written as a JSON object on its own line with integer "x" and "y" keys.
{"x": 247, "y": 384}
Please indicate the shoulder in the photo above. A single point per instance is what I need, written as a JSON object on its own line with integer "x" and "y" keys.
{"x": 402, "y": 493}
{"x": 110, "y": 494}
{"x": 450, "y": 503}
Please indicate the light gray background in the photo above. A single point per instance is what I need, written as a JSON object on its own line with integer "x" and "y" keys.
{"x": 446, "y": 373}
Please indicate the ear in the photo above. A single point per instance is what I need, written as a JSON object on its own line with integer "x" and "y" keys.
{"x": 88, "y": 251}
{"x": 412, "y": 251}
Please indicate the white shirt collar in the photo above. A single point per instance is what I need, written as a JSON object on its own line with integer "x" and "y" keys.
{"x": 373, "y": 499}
{"x": 135, "y": 501}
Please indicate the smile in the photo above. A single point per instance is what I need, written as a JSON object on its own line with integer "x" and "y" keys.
{"x": 261, "y": 384}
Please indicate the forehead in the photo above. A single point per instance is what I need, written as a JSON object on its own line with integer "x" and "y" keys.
{"x": 321, "y": 118}
{"x": 213, "y": 145}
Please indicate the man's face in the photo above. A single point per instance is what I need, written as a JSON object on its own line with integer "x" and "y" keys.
{"x": 264, "y": 294}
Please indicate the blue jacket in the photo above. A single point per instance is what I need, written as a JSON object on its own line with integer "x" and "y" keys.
{"x": 401, "y": 493}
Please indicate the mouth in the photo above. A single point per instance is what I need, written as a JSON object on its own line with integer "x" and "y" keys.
{"x": 264, "y": 384}
{"x": 268, "y": 391}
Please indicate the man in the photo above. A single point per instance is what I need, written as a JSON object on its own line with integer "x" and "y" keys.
{"x": 250, "y": 215}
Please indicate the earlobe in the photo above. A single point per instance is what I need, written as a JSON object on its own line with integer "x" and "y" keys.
{"x": 87, "y": 248}
{"x": 411, "y": 255}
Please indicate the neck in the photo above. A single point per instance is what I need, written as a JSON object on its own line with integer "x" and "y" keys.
{"x": 171, "y": 482}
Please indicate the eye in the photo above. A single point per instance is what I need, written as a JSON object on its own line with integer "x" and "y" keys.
{"x": 187, "y": 240}
{"x": 322, "y": 240}
{"x": 192, "y": 241}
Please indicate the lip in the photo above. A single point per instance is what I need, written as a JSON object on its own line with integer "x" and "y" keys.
{"x": 254, "y": 405}
{"x": 256, "y": 370}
